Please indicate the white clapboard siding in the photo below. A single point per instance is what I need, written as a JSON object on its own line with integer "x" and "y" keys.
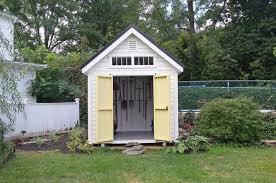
{"x": 6, "y": 32}
{"x": 46, "y": 117}
{"x": 161, "y": 66}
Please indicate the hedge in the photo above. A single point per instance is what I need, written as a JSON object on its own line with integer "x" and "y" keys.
{"x": 194, "y": 97}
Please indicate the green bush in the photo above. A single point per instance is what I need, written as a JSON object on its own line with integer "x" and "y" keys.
{"x": 194, "y": 98}
{"x": 39, "y": 141}
{"x": 54, "y": 138}
{"x": 193, "y": 143}
{"x": 269, "y": 127}
{"x": 78, "y": 141}
{"x": 235, "y": 120}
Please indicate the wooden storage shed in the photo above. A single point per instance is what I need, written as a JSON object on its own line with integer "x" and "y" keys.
{"x": 132, "y": 91}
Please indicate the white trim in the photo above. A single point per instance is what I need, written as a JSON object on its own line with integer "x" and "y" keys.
{"x": 119, "y": 55}
{"x": 176, "y": 120}
{"x": 145, "y": 141}
{"x": 129, "y": 73}
{"x": 132, "y": 66}
{"x": 26, "y": 64}
{"x": 105, "y": 52}
{"x": 120, "y": 40}
{"x": 157, "y": 50}
{"x": 8, "y": 16}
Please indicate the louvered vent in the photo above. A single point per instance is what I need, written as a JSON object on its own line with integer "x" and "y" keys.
{"x": 132, "y": 44}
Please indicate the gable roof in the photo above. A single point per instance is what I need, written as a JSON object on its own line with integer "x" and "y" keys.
{"x": 124, "y": 35}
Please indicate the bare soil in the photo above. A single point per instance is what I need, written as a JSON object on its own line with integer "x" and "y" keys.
{"x": 29, "y": 144}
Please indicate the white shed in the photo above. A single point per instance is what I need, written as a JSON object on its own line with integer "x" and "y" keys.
{"x": 132, "y": 91}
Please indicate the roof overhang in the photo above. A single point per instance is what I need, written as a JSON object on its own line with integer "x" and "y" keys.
{"x": 123, "y": 36}
{"x": 9, "y": 17}
{"x": 32, "y": 66}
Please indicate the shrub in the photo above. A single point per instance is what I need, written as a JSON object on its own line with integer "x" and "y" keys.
{"x": 269, "y": 127}
{"x": 189, "y": 117}
{"x": 235, "y": 120}
{"x": 78, "y": 141}
{"x": 54, "y": 138}
{"x": 190, "y": 144}
{"x": 7, "y": 152}
{"x": 39, "y": 142}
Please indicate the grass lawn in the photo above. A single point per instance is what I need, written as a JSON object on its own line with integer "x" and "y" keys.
{"x": 219, "y": 164}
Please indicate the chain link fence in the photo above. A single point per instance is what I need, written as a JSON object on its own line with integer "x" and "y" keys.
{"x": 193, "y": 94}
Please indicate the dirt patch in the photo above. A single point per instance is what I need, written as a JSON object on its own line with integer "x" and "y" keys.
{"x": 29, "y": 144}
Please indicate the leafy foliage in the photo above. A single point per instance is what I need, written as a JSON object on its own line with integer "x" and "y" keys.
{"x": 39, "y": 141}
{"x": 45, "y": 23}
{"x": 193, "y": 143}
{"x": 215, "y": 39}
{"x": 62, "y": 81}
{"x": 269, "y": 127}
{"x": 231, "y": 121}
{"x": 189, "y": 117}
{"x": 77, "y": 141}
{"x": 10, "y": 99}
{"x": 54, "y": 138}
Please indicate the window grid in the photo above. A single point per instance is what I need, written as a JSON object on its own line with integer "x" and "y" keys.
{"x": 143, "y": 60}
{"x": 124, "y": 61}
{"x": 121, "y": 61}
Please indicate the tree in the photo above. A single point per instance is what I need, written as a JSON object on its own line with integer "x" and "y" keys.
{"x": 218, "y": 64}
{"x": 102, "y": 20}
{"x": 62, "y": 81}
{"x": 10, "y": 99}
{"x": 49, "y": 23}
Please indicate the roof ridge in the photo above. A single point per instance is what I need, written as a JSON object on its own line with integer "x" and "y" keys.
{"x": 143, "y": 34}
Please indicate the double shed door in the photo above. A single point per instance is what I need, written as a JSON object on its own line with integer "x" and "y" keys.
{"x": 104, "y": 108}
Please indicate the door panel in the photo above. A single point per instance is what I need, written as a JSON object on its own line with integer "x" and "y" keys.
{"x": 162, "y": 122}
{"x": 104, "y": 109}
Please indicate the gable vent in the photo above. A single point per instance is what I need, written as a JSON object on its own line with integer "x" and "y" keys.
{"x": 132, "y": 44}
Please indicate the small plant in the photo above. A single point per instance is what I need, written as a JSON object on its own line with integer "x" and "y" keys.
{"x": 39, "y": 142}
{"x": 191, "y": 144}
{"x": 78, "y": 141}
{"x": 189, "y": 117}
{"x": 86, "y": 147}
{"x": 54, "y": 138}
{"x": 197, "y": 143}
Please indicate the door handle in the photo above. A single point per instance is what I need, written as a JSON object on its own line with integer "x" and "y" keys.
{"x": 105, "y": 109}
{"x": 162, "y": 108}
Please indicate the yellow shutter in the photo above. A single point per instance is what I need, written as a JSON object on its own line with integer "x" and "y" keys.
{"x": 162, "y": 122}
{"x": 104, "y": 109}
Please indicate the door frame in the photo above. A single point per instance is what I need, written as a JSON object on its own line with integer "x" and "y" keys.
{"x": 137, "y": 74}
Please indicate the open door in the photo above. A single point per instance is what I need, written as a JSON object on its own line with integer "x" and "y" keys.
{"x": 104, "y": 109}
{"x": 161, "y": 94}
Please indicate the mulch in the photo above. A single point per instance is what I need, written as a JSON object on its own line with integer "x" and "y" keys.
{"x": 29, "y": 144}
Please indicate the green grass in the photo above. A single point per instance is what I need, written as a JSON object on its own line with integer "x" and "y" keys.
{"x": 219, "y": 164}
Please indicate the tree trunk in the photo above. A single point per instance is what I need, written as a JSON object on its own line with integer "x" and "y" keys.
{"x": 191, "y": 16}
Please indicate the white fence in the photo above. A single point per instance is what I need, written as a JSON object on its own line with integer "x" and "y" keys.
{"x": 46, "y": 117}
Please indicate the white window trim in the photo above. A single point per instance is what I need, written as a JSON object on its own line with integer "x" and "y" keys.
{"x": 110, "y": 61}
{"x": 120, "y": 40}
{"x": 154, "y": 61}
{"x": 132, "y": 66}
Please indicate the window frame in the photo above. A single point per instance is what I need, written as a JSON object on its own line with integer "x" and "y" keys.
{"x": 132, "y": 60}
